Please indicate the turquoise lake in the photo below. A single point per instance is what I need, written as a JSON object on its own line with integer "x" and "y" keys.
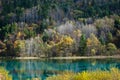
{"x": 28, "y": 69}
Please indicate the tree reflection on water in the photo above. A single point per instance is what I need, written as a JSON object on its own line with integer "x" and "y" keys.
{"x": 28, "y": 69}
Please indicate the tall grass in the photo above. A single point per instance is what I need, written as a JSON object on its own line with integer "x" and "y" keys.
{"x": 113, "y": 74}
{"x": 4, "y": 74}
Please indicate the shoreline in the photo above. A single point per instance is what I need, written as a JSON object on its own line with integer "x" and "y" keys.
{"x": 63, "y": 58}
{"x": 87, "y": 57}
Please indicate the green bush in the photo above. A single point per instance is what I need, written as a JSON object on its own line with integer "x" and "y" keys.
{"x": 111, "y": 48}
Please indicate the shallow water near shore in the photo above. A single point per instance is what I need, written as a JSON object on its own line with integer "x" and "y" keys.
{"x": 42, "y": 68}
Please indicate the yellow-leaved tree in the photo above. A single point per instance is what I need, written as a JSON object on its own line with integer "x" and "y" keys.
{"x": 93, "y": 45}
{"x": 67, "y": 40}
{"x": 19, "y": 46}
{"x": 63, "y": 47}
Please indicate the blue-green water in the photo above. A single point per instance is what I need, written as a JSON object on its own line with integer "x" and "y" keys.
{"x": 27, "y": 69}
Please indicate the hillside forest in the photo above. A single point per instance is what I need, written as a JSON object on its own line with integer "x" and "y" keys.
{"x": 50, "y": 28}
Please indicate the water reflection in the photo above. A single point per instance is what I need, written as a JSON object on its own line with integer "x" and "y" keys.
{"x": 27, "y": 69}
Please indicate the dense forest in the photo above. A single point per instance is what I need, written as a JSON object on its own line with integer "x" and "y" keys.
{"x": 47, "y": 28}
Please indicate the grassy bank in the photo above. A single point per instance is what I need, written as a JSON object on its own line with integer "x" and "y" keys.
{"x": 113, "y": 74}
